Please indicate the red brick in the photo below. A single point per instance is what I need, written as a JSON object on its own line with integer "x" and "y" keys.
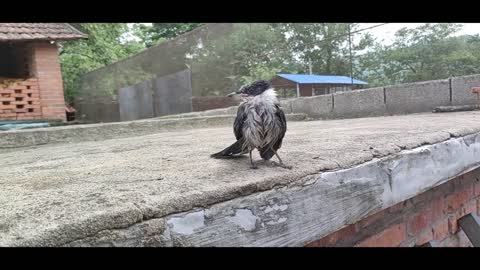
{"x": 371, "y": 219}
{"x": 470, "y": 207}
{"x": 456, "y": 200}
{"x": 424, "y": 237}
{"x": 424, "y": 196}
{"x": 333, "y": 238}
{"x": 453, "y": 223}
{"x": 440, "y": 230}
{"x": 438, "y": 209}
{"x": 391, "y": 237}
{"x": 34, "y": 114}
{"x": 19, "y": 103}
{"x": 49, "y": 81}
{"x": 444, "y": 189}
{"x": 478, "y": 206}
{"x": 20, "y": 117}
{"x": 476, "y": 191}
{"x": 471, "y": 175}
{"x": 396, "y": 208}
{"x": 419, "y": 221}
{"x": 458, "y": 181}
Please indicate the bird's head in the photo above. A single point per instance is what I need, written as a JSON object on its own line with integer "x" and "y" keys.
{"x": 254, "y": 89}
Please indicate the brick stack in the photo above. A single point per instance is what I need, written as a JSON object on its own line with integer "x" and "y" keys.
{"x": 20, "y": 100}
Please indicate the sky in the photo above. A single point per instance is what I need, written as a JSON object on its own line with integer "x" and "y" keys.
{"x": 386, "y": 32}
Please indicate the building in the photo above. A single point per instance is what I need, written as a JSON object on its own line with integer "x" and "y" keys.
{"x": 313, "y": 85}
{"x": 30, "y": 77}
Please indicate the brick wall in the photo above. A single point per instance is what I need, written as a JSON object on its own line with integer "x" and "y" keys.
{"x": 46, "y": 68}
{"x": 432, "y": 215}
{"x": 19, "y": 100}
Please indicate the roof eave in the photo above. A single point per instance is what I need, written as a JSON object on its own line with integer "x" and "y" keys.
{"x": 44, "y": 39}
{"x": 80, "y": 33}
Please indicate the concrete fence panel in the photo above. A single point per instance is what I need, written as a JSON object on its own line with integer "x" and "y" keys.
{"x": 417, "y": 97}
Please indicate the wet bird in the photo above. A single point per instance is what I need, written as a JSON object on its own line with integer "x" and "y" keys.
{"x": 260, "y": 124}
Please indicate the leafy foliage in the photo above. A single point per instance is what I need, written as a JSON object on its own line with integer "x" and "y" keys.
{"x": 260, "y": 50}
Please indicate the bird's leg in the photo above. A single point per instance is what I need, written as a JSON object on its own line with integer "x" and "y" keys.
{"x": 251, "y": 161}
{"x": 281, "y": 164}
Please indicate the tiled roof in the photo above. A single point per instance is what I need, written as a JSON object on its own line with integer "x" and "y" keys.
{"x": 38, "y": 31}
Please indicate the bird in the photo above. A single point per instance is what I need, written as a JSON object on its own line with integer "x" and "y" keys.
{"x": 260, "y": 124}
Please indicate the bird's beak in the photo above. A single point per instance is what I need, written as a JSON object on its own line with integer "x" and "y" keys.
{"x": 233, "y": 94}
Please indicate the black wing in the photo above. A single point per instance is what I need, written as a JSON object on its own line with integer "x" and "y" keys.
{"x": 281, "y": 116}
{"x": 283, "y": 120}
{"x": 239, "y": 121}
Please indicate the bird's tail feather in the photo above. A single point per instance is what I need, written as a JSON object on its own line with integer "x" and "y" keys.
{"x": 266, "y": 153}
{"x": 233, "y": 150}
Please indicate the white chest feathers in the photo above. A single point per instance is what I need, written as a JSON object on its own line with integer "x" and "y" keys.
{"x": 261, "y": 126}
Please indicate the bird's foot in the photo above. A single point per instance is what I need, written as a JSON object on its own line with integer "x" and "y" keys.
{"x": 254, "y": 167}
{"x": 281, "y": 165}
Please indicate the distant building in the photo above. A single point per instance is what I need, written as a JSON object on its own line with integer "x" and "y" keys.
{"x": 313, "y": 85}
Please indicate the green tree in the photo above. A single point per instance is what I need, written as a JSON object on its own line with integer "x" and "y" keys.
{"x": 250, "y": 52}
{"x": 104, "y": 46}
{"x": 416, "y": 54}
{"x": 427, "y": 52}
{"x": 323, "y": 46}
{"x": 159, "y": 32}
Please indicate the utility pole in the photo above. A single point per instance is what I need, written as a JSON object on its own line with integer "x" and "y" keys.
{"x": 310, "y": 66}
{"x": 350, "y": 48}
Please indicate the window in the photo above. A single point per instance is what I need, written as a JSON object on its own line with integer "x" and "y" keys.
{"x": 322, "y": 91}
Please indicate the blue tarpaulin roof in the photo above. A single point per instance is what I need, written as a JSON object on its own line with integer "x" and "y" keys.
{"x": 330, "y": 79}
{"x": 13, "y": 125}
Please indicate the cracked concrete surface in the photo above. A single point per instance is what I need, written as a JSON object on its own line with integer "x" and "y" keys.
{"x": 127, "y": 191}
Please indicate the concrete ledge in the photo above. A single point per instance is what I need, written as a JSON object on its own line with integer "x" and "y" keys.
{"x": 164, "y": 190}
{"x": 96, "y": 132}
{"x": 224, "y": 111}
{"x": 325, "y": 202}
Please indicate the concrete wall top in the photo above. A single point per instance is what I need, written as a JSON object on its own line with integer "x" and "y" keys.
{"x": 158, "y": 190}
{"x": 389, "y": 100}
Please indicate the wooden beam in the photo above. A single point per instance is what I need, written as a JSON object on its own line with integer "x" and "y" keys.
{"x": 298, "y": 90}
{"x": 460, "y": 108}
{"x": 470, "y": 225}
